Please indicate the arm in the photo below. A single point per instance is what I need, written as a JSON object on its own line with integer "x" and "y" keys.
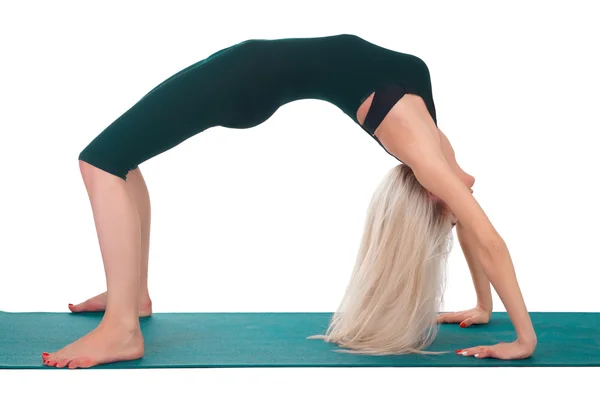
{"x": 466, "y": 240}
{"x": 481, "y": 313}
{"x": 480, "y": 279}
{"x": 488, "y": 248}
{"x": 419, "y": 146}
{"x": 413, "y": 138}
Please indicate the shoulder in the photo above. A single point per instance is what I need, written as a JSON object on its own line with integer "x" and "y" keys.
{"x": 409, "y": 134}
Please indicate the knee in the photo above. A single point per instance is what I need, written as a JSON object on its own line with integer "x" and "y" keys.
{"x": 88, "y": 170}
{"x": 94, "y": 167}
{"x": 85, "y": 167}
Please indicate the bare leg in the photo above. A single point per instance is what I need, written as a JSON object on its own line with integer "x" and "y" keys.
{"x": 118, "y": 336}
{"x": 139, "y": 192}
{"x": 137, "y": 189}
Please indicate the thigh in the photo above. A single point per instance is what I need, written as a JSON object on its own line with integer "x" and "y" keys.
{"x": 172, "y": 112}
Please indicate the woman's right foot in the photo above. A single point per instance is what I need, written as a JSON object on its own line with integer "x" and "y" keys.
{"x": 98, "y": 304}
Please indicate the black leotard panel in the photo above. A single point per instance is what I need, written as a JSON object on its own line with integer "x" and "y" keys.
{"x": 241, "y": 86}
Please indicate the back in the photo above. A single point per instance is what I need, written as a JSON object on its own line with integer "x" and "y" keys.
{"x": 342, "y": 69}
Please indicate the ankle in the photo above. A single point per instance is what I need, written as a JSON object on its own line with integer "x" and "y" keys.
{"x": 120, "y": 322}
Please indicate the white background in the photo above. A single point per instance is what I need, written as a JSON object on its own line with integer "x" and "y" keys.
{"x": 269, "y": 219}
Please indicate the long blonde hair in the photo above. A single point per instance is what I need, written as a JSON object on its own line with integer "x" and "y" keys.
{"x": 396, "y": 288}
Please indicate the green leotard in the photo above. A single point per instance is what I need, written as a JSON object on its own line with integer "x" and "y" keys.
{"x": 243, "y": 85}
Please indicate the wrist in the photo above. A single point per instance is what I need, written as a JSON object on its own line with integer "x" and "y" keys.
{"x": 529, "y": 341}
{"x": 485, "y": 306}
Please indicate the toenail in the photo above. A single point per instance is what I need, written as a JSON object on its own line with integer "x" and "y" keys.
{"x": 45, "y": 354}
{"x": 70, "y": 305}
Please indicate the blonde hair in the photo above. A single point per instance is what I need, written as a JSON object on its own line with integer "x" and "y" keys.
{"x": 396, "y": 289}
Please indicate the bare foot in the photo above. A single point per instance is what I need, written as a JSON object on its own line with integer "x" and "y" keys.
{"x": 98, "y": 303}
{"x": 107, "y": 343}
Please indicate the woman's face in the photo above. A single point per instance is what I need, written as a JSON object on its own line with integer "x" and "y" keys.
{"x": 469, "y": 181}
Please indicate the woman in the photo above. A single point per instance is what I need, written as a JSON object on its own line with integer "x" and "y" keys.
{"x": 393, "y": 297}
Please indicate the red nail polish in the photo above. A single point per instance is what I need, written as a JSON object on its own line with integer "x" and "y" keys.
{"x": 458, "y": 351}
{"x": 45, "y": 354}
{"x": 462, "y": 324}
{"x": 70, "y": 305}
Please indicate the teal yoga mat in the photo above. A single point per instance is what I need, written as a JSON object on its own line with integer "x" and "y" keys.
{"x": 217, "y": 340}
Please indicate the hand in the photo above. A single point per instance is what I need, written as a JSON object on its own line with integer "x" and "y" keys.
{"x": 474, "y": 316}
{"x": 504, "y": 351}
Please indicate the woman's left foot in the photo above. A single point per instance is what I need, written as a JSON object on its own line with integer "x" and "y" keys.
{"x": 107, "y": 343}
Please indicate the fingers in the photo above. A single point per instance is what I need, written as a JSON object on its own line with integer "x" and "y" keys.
{"x": 441, "y": 318}
{"x": 477, "y": 352}
{"x": 486, "y": 352}
{"x": 471, "y": 351}
{"x": 450, "y": 318}
{"x": 467, "y": 322}
{"x": 480, "y": 352}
